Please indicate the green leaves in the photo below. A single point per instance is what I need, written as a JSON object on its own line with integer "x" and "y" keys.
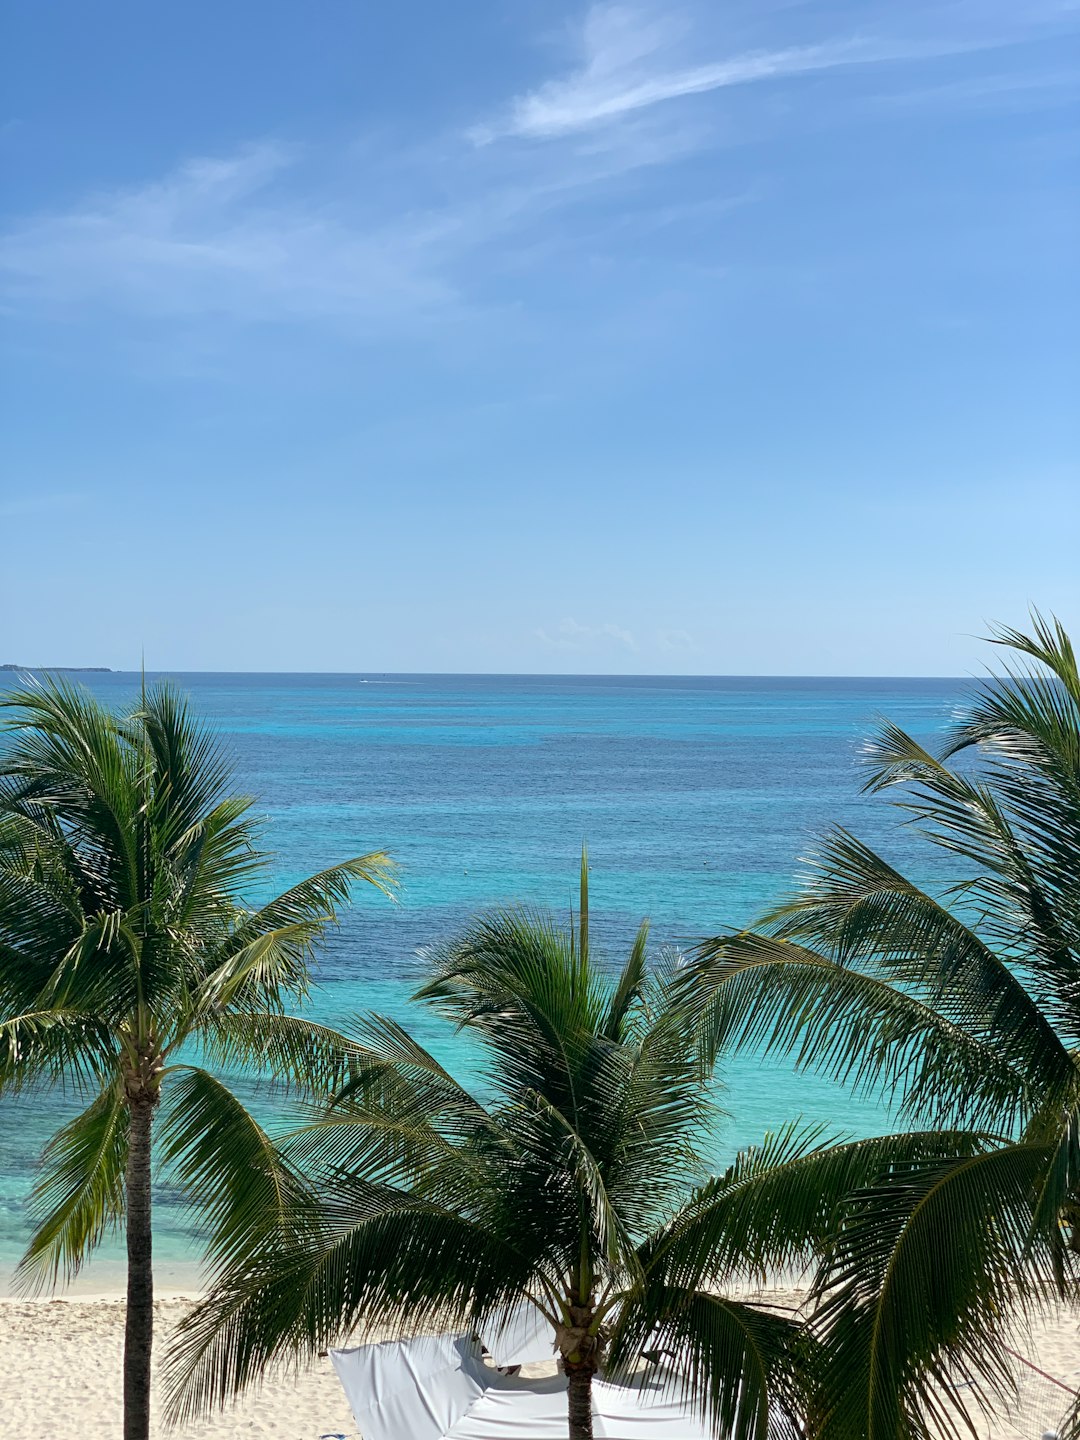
{"x": 743, "y": 1366}
{"x": 930, "y": 1272}
{"x": 267, "y": 953}
{"x": 62, "y": 1047}
{"x": 630, "y": 988}
{"x": 381, "y": 1256}
{"x": 865, "y": 1031}
{"x": 67, "y": 762}
{"x": 294, "y": 1053}
{"x": 238, "y": 1184}
{"x": 402, "y": 1200}
{"x": 782, "y": 1203}
{"x": 80, "y": 1192}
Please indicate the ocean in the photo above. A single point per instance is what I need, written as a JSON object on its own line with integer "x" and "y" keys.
{"x": 696, "y": 796}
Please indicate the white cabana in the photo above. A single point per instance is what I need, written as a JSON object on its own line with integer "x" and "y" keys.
{"x": 523, "y": 1337}
{"x": 439, "y": 1388}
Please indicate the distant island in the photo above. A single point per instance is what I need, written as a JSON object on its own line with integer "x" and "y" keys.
{"x": 64, "y": 669}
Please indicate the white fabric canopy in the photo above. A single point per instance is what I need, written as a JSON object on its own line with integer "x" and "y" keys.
{"x": 523, "y": 1338}
{"x": 411, "y": 1389}
{"x": 537, "y": 1410}
{"x": 438, "y": 1388}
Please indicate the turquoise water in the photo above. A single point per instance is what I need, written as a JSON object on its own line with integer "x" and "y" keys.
{"x": 696, "y": 797}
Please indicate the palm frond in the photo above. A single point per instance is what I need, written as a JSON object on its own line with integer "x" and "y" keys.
{"x": 274, "y": 964}
{"x": 43, "y": 897}
{"x": 321, "y": 895}
{"x": 397, "y": 1115}
{"x": 739, "y": 1364}
{"x": 189, "y": 772}
{"x": 1057, "y": 1194}
{"x": 779, "y": 997}
{"x": 1012, "y": 884}
{"x": 782, "y": 1203}
{"x": 931, "y": 1270}
{"x": 79, "y": 1194}
{"x": 652, "y": 1119}
{"x": 57, "y": 1047}
{"x": 212, "y": 861}
{"x": 605, "y": 1224}
{"x": 383, "y": 1260}
{"x": 516, "y": 981}
{"x": 268, "y": 952}
{"x": 1049, "y": 645}
{"x": 65, "y": 758}
{"x": 99, "y": 971}
{"x": 294, "y": 1052}
{"x": 628, "y": 991}
{"x": 858, "y": 908}
{"x": 1069, "y": 1425}
{"x": 391, "y": 1068}
{"x": 237, "y": 1182}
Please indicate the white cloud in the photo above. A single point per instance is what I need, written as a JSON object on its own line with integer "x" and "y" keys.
{"x": 631, "y": 60}
{"x": 599, "y": 95}
{"x": 571, "y": 635}
{"x": 214, "y": 238}
{"x": 275, "y": 234}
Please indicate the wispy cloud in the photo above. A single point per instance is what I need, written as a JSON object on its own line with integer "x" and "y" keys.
{"x": 214, "y": 237}
{"x": 571, "y": 635}
{"x": 265, "y": 234}
{"x": 629, "y": 61}
{"x": 602, "y": 92}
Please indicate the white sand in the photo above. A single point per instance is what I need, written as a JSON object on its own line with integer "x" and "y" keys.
{"x": 60, "y": 1375}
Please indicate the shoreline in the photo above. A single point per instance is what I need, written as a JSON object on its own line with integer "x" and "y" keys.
{"x": 107, "y": 1280}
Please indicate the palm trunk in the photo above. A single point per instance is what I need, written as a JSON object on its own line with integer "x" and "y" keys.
{"x": 579, "y": 1389}
{"x": 139, "y": 1329}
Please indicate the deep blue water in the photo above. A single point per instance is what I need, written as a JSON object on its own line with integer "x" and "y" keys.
{"x": 696, "y": 797}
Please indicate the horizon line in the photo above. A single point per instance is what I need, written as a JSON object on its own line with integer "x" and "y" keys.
{"x": 499, "y": 674}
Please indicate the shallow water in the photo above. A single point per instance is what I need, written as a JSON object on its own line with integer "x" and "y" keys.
{"x": 696, "y": 797}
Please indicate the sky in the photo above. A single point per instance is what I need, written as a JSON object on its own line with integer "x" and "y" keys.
{"x": 533, "y": 336}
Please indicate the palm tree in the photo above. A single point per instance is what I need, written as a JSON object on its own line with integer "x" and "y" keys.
{"x": 577, "y": 1183}
{"x": 963, "y": 1008}
{"x": 125, "y": 953}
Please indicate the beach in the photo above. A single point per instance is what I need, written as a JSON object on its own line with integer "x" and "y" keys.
{"x": 60, "y": 1375}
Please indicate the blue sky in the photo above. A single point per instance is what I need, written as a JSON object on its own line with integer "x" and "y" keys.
{"x": 534, "y": 336}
